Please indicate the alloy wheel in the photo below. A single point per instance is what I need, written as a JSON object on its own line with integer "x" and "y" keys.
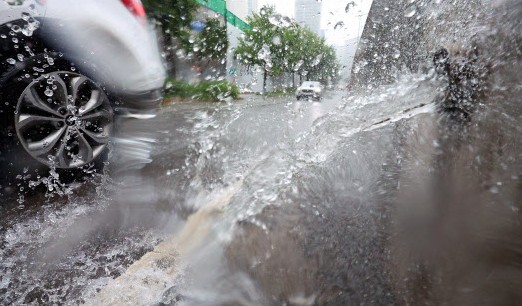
{"x": 63, "y": 119}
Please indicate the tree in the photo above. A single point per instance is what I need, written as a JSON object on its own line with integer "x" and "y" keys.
{"x": 210, "y": 45}
{"x": 329, "y": 67}
{"x": 257, "y": 46}
{"x": 318, "y": 60}
{"x": 293, "y": 49}
{"x": 173, "y": 17}
{"x": 279, "y": 45}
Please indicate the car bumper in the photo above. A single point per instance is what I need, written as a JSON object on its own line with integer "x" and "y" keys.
{"x": 309, "y": 94}
{"x": 140, "y": 105}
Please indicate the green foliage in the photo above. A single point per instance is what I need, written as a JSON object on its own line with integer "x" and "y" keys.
{"x": 208, "y": 47}
{"x": 173, "y": 16}
{"x": 204, "y": 91}
{"x": 279, "y": 45}
{"x": 257, "y": 44}
{"x": 282, "y": 92}
{"x": 211, "y": 44}
{"x": 178, "y": 88}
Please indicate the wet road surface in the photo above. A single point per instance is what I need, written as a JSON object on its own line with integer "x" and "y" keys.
{"x": 305, "y": 210}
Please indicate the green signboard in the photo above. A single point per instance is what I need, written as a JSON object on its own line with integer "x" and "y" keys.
{"x": 220, "y": 7}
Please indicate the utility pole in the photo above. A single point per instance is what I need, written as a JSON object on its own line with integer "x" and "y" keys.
{"x": 228, "y": 38}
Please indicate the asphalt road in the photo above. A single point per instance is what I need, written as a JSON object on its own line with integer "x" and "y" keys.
{"x": 307, "y": 209}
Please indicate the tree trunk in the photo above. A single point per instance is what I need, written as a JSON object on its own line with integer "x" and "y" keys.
{"x": 264, "y": 81}
{"x": 293, "y": 79}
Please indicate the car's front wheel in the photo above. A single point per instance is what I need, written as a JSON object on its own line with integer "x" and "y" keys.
{"x": 53, "y": 117}
{"x": 63, "y": 119}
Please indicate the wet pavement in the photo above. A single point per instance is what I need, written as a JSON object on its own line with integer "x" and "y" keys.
{"x": 369, "y": 197}
{"x": 309, "y": 174}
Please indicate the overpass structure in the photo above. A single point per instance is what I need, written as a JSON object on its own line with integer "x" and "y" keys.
{"x": 220, "y": 7}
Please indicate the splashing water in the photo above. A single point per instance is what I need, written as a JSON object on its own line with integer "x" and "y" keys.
{"x": 240, "y": 204}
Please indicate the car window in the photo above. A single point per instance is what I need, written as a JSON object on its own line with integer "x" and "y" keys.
{"x": 311, "y": 84}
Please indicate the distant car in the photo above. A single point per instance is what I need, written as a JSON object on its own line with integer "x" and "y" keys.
{"x": 309, "y": 89}
{"x": 67, "y": 69}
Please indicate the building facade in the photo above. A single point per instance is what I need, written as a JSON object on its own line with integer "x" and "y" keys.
{"x": 252, "y": 6}
{"x": 247, "y": 78}
{"x": 308, "y": 14}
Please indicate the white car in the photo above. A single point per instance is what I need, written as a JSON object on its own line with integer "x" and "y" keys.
{"x": 67, "y": 70}
{"x": 309, "y": 90}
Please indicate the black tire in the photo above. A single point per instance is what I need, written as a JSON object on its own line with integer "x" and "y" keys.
{"x": 15, "y": 162}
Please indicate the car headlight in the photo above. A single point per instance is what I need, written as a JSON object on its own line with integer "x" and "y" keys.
{"x": 317, "y": 90}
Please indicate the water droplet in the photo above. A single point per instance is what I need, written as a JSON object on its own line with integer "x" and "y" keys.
{"x": 264, "y": 54}
{"x": 350, "y": 4}
{"x": 273, "y": 19}
{"x": 317, "y": 60}
{"x": 411, "y": 11}
{"x": 48, "y": 92}
{"x": 279, "y": 20}
{"x": 276, "y": 40}
{"x": 25, "y": 16}
{"x": 11, "y": 61}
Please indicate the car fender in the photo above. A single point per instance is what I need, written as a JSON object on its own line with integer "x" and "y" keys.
{"x": 113, "y": 44}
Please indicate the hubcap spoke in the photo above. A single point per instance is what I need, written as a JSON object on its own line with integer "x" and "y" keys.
{"x": 34, "y": 99}
{"x": 102, "y": 114}
{"x": 100, "y": 138}
{"x": 86, "y": 151}
{"x": 26, "y": 120}
{"x": 94, "y": 102}
{"x": 61, "y": 154}
{"x": 45, "y": 145}
{"x": 76, "y": 83}
{"x": 58, "y": 78}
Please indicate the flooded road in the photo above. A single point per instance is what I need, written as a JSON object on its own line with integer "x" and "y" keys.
{"x": 406, "y": 191}
{"x": 307, "y": 172}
